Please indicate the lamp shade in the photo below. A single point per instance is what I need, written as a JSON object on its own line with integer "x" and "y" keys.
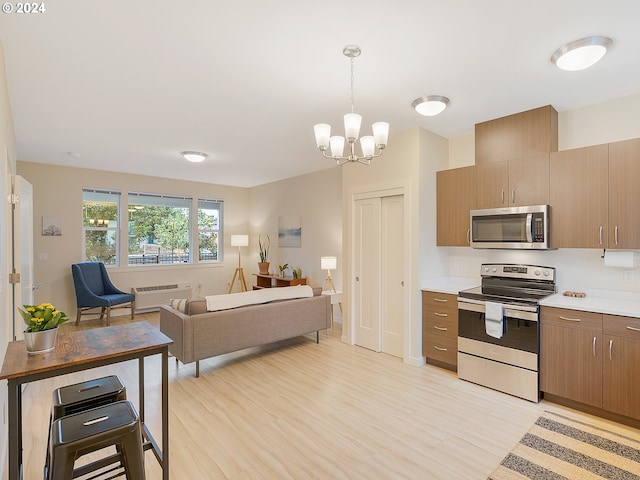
{"x": 323, "y": 132}
{"x": 328, "y": 263}
{"x": 239, "y": 240}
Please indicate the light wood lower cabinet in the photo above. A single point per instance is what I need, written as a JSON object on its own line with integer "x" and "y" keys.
{"x": 440, "y": 329}
{"x": 591, "y": 358}
{"x": 621, "y": 375}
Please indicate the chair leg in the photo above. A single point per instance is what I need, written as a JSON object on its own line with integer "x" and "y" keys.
{"x": 133, "y": 309}
{"x": 108, "y": 315}
{"x": 78, "y": 315}
{"x": 102, "y": 313}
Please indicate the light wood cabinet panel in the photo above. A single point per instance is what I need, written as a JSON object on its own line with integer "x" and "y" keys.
{"x": 624, "y": 194}
{"x": 440, "y": 328}
{"x": 523, "y": 181}
{"x": 579, "y": 191}
{"x": 621, "y": 371}
{"x": 455, "y": 190}
{"x": 492, "y": 189}
{"x": 571, "y": 363}
{"x": 523, "y": 134}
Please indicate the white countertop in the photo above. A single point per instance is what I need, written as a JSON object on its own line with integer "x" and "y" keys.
{"x": 600, "y": 301}
{"x": 450, "y": 285}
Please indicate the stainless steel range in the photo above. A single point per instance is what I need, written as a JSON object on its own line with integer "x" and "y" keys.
{"x": 499, "y": 331}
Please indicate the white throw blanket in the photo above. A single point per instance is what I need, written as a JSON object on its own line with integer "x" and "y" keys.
{"x": 255, "y": 297}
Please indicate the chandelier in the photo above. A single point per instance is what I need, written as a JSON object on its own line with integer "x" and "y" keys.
{"x": 371, "y": 146}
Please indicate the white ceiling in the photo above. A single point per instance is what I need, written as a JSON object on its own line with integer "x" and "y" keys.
{"x": 126, "y": 85}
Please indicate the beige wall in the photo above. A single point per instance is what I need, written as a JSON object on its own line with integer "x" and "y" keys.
{"x": 316, "y": 199}
{"x": 58, "y": 192}
{"x": 7, "y": 169}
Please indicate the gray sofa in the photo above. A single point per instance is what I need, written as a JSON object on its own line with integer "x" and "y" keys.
{"x": 198, "y": 334}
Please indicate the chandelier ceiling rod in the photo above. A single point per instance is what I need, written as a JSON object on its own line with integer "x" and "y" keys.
{"x": 371, "y": 146}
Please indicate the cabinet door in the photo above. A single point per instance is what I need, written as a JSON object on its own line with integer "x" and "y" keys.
{"x": 529, "y": 181}
{"x": 624, "y": 194}
{"x": 571, "y": 363}
{"x": 455, "y": 198}
{"x": 621, "y": 368}
{"x": 579, "y": 197}
{"x": 492, "y": 189}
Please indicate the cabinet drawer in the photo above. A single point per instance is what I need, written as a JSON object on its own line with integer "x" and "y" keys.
{"x": 442, "y": 348}
{"x": 622, "y": 326}
{"x": 579, "y": 319}
{"x": 444, "y": 322}
{"x": 439, "y": 300}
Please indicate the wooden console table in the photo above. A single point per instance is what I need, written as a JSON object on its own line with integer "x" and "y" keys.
{"x": 269, "y": 281}
{"x": 83, "y": 350}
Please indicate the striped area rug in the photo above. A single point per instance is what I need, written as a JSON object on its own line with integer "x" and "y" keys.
{"x": 560, "y": 448}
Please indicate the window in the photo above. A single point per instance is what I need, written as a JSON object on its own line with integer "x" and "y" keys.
{"x": 158, "y": 228}
{"x": 209, "y": 221}
{"x": 100, "y": 214}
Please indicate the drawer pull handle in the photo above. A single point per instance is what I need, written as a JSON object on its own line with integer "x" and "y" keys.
{"x": 442, "y": 329}
{"x": 439, "y": 300}
{"x": 441, "y": 314}
{"x": 633, "y": 329}
{"x": 570, "y": 319}
{"x": 442, "y": 349}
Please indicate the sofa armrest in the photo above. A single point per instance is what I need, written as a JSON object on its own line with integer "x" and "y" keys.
{"x": 179, "y": 328}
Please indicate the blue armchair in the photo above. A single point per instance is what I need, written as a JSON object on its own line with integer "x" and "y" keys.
{"x": 94, "y": 289}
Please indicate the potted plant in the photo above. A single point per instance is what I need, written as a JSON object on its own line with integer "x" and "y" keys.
{"x": 263, "y": 265}
{"x": 42, "y": 323}
{"x": 283, "y": 268}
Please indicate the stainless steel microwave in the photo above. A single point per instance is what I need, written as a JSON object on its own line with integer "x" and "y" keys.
{"x": 511, "y": 228}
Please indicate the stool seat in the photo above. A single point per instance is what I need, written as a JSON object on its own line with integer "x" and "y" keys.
{"x": 116, "y": 424}
{"x": 92, "y": 393}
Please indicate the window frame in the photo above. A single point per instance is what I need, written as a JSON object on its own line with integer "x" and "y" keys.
{"x": 115, "y": 230}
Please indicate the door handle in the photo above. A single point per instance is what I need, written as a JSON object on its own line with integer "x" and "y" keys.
{"x": 594, "y": 346}
{"x": 611, "y": 349}
{"x": 357, "y": 279}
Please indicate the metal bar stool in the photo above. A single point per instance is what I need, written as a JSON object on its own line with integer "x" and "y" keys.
{"x": 78, "y": 434}
{"x": 83, "y": 396}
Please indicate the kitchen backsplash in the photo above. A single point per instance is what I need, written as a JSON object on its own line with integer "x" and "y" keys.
{"x": 575, "y": 268}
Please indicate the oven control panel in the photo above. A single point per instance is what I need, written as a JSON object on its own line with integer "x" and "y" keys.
{"x": 533, "y": 272}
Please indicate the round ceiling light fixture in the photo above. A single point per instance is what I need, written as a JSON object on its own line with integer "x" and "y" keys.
{"x": 192, "y": 156}
{"x": 581, "y": 54}
{"x": 430, "y": 105}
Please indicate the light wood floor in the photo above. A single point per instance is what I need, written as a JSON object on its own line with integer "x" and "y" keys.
{"x": 297, "y": 410}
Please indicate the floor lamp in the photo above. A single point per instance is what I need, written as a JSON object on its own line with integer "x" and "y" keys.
{"x": 239, "y": 241}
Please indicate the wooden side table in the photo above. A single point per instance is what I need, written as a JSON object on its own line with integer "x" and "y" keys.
{"x": 270, "y": 281}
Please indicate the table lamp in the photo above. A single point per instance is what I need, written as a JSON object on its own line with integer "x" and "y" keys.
{"x": 328, "y": 264}
{"x": 239, "y": 241}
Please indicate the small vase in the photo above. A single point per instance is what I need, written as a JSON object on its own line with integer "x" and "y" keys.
{"x": 40, "y": 342}
{"x": 263, "y": 268}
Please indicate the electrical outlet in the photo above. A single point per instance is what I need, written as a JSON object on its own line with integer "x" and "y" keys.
{"x": 456, "y": 265}
{"x": 43, "y": 256}
{"x": 628, "y": 275}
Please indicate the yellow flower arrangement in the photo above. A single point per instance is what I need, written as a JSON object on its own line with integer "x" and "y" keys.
{"x": 42, "y": 317}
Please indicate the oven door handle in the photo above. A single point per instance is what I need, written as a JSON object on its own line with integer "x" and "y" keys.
{"x": 521, "y": 311}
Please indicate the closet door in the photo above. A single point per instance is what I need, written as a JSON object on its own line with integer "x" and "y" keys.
{"x": 366, "y": 281}
{"x": 392, "y": 275}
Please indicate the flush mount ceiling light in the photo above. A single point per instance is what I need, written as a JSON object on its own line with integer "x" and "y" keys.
{"x": 371, "y": 146}
{"x": 195, "y": 157}
{"x": 581, "y": 54}
{"x": 431, "y": 105}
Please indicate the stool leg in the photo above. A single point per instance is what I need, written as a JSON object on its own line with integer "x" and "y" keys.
{"x": 61, "y": 464}
{"x": 133, "y": 455}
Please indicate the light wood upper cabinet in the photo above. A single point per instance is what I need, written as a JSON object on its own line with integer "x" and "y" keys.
{"x": 624, "y": 194}
{"x": 455, "y": 198}
{"x": 518, "y": 182}
{"x": 579, "y": 197}
{"x": 515, "y": 136}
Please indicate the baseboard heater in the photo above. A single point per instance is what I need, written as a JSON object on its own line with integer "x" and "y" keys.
{"x": 151, "y": 297}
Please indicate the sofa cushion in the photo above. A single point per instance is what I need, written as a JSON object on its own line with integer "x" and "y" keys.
{"x": 254, "y": 297}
